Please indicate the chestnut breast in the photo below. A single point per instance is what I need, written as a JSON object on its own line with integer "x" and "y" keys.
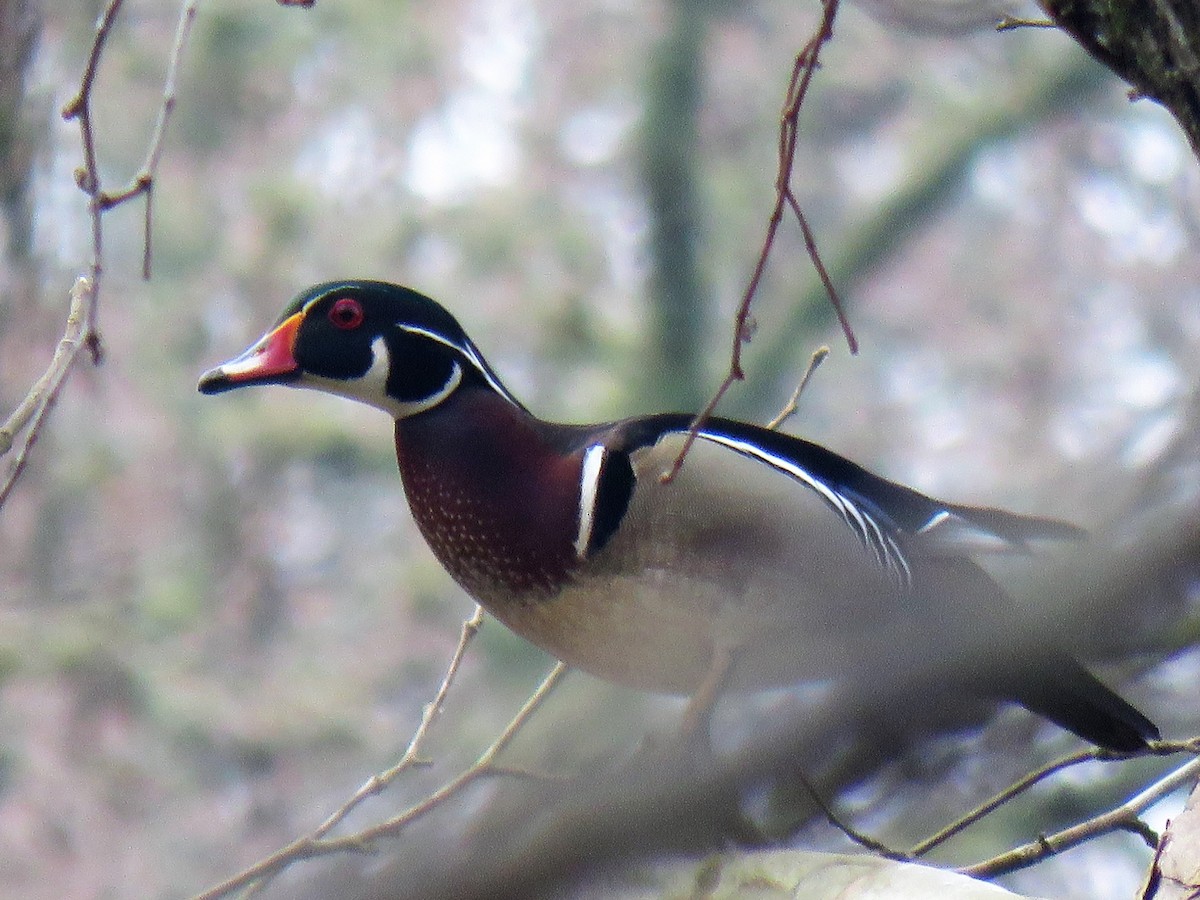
{"x": 495, "y": 496}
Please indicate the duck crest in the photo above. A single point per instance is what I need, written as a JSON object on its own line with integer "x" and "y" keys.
{"x": 494, "y": 494}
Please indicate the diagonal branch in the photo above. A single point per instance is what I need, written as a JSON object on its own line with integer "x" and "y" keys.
{"x": 1125, "y": 817}
{"x": 803, "y": 69}
{"x": 317, "y": 844}
{"x": 31, "y": 413}
{"x": 412, "y": 753}
{"x": 1154, "y": 45}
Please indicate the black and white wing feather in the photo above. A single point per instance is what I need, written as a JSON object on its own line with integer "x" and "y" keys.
{"x": 884, "y": 515}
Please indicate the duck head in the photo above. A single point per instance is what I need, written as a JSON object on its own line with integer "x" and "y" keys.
{"x": 381, "y": 344}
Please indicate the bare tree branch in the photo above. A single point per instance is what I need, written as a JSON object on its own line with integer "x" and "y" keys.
{"x": 1152, "y": 44}
{"x": 81, "y": 327}
{"x": 664, "y": 804}
{"x": 789, "y": 408}
{"x": 412, "y": 754}
{"x": 803, "y": 69}
{"x": 1093, "y": 754}
{"x": 31, "y": 413}
{"x": 143, "y": 181}
{"x": 317, "y": 844}
{"x": 853, "y": 834}
{"x": 1125, "y": 817}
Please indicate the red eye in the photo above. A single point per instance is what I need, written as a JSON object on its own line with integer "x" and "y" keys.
{"x": 346, "y": 313}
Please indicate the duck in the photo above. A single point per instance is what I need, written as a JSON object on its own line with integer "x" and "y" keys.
{"x": 761, "y": 560}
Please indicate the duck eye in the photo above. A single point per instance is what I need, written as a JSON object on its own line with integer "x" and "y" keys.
{"x": 346, "y": 313}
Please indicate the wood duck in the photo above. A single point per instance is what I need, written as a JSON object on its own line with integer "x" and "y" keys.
{"x": 767, "y": 560}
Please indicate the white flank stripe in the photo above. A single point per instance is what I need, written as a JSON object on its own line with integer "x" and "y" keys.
{"x": 589, "y": 484}
{"x": 466, "y": 350}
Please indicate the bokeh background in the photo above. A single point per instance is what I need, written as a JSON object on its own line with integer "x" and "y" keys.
{"x": 216, "y": 617}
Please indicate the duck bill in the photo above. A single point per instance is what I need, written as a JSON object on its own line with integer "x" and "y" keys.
{"x": 270, "y": 361}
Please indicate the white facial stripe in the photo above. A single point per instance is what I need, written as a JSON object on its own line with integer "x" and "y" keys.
{"x": 882, "y": 545}
{"x": 374, "y": 382}
{"x": 433, "y": 336}
{"x": 371, "y": 387}
{"x": 433, "y": 399}
{"x": 466, "y": 350}
{"x": 589, "y": 484}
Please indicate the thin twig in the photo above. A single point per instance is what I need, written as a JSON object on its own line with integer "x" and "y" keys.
{"x": 317, "y": 845}
{"x": 143, "y": 181}
{"x": 520, "y": 773}
{"x": 483, "y": 766}
{"x": 992, "y": 804}
{"x": 412, "y": 754}
{"x": 863, "y": 840}
{"x": 1126, "y": 817}
{"x": 1158, "y": 748}
{"x": 789, "y": 408}
{"x": 77, "y": 106}
{"x": 88, "y": 175}
{"x": 803, "y": 68}
{"x": 36, "y": 406}
{"x": 1154, "y": 872}
{"x": 81, "y": 330}
{"x": 1011, "y": 23}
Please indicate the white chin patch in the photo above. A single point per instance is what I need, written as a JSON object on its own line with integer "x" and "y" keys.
{"x": 371, "y": 387}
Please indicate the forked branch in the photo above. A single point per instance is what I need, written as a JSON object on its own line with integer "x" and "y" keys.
{"x": 803, "y": 69}
{"x": 25, "y": 423}
{"x": 319, "y": 844}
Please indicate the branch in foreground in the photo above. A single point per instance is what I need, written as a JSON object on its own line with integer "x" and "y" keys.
{"x": 412, "y": 753}
{"x": 1159, "y": 748}
{"x": 665, "y": 805}
{"x": 1126, "y": 817}
{"x": 657, "y": 805}
{"x": 1009, "y": 793}
{"x": 1101, "y": 824}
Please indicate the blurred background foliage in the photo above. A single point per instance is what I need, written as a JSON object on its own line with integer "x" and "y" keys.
{"x": 218, "y": 618}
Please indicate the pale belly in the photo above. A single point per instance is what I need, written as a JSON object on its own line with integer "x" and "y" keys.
{"x": 776, "y": 582}
{"x": 660, "y": 632}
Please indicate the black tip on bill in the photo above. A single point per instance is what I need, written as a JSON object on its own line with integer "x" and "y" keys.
{"x": 214, "y": 381}
{"x": 218, "y": 380}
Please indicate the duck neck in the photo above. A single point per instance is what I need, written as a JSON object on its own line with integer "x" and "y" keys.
{"x": 495, "y": 493}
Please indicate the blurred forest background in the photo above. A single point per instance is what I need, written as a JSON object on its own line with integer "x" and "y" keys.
{"x": 216, "y": 617}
